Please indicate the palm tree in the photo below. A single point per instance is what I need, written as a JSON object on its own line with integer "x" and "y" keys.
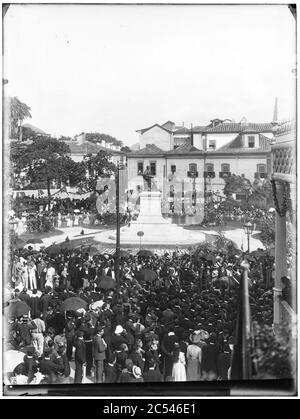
{"x": 18, "y": 112}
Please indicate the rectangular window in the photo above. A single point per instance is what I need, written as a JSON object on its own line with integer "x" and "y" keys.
{"x": 193, "y": 167}
{"x": 209, "y": 167}
{"x": 140, "y": 167}
{"x": 225, "y": 167}
{"x": 173, "y": 168}
{"x": 153, "y": 168}
{"x": 261, "y": 168}
{"x": 212, "y": 144}
{"x": 251, "y": 141}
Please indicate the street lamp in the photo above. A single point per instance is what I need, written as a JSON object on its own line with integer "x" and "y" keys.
{"x": 248, "y": 229}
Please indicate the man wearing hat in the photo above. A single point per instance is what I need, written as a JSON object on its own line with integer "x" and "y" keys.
{"x": 110, "y": 370}
{"x": 62, "y": 360}
{"x": 209, "y": 363}
{"x": 99, "y": 347}
{"x": 80, "y": 356}
{"x": 118, "y": 338}
{"x": 49, "y": 368}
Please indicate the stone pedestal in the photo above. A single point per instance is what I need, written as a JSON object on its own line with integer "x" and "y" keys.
{"x": 155, "y": 228}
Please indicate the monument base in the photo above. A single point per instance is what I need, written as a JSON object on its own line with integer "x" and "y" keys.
{"x": 151, "y": 228}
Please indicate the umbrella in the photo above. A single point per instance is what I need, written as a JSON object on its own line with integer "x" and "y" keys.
{"x": 107, "y": 283}
{"x": 76, "y": 210}
{"x": 73, "y": 304}
{"x": 17, "y": 308}
{"x": 123, "y": 253}
{"x": 53, "y": 249}
{"x": 67, "y": 245}
{"x": 145, "y": 253}
{"x": 34, "y": 241}
{"x": 92, "y": 250}
{"x": 147, "y": 275}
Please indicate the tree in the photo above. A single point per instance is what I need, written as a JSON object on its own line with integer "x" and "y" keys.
{"x": 45, "y": 160}
{"x": 236, "y": 184}
{"x": 18, "y": 112}
{"x": 96, "y": 137}
{"x": 98, "y": 166}
{"x": 126, "y": 149}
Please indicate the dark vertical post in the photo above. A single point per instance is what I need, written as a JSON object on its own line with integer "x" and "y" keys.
{"x": 117, "y": 256}
{"x": 241, "y": 360}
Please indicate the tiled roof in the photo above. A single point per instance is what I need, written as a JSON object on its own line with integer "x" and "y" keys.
{"x": 199, "y": 128}
{"x": 237, "y": 146}
{"x": 152, "y": 126}
{"x": 238, "y": 127}
{"x": 185, "y": 148}
{"x": 149, "y": 149}
{"x": 181, "y": 130}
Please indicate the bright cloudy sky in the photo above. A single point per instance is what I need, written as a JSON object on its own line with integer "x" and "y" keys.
{"x": 115, "y": 69}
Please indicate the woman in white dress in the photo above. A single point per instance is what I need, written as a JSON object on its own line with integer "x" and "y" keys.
{"x": 32, "y": 275}
{"x": 59, "y": 220}
{"x": 76, "y": 220}
{"x": 178, "y": 370}
{"x": 25, "y": 275}
{"x": 50, "y": 276}
{"x": 69, "y": 220}
{"x": 193, "y": 356}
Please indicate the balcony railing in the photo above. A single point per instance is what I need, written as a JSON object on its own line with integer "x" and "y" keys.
{"x": 224, "y": 174}
{"x": 192, "y": 174}
{"x": 259, "y": 175}
{"x": 209, "y": 174}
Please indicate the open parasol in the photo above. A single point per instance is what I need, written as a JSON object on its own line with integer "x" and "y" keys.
{"x": 146, "y": 275}
{"x": 17, "y": 308}
{"x": 73, "y": 304}
{"x": 107, "y": 283}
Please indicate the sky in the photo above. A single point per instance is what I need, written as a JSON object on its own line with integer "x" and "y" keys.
{"x": 116, "y": 69}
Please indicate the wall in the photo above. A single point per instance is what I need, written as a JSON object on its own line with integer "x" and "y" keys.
{"x": 198, "y": 141}
{"x": 159, "y": 137}
{"x": 239, "y": 165}
{"x": 221, "y": 139}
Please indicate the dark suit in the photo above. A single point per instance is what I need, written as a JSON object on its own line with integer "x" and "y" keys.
{"x": 152, "y": 376}
{"x": 209, "y": 363}
{"x": 34, "y": 304}
{"x": 49, "y": 369}
{"x": 80, "y": 359}
{"x": 99, "y": 347}
{"x": 224, "y": 363}
{"x": 110, "y": 374}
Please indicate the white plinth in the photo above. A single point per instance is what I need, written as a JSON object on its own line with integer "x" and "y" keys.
{"x": 156, "y": 229}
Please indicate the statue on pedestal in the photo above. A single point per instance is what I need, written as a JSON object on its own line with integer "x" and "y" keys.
{"x": 149, "y": 184}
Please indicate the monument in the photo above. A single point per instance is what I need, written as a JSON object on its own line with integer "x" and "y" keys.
{"x": 157, "y": 230}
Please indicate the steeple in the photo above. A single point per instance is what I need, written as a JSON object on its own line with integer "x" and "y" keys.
{"x": 275, "y": 114}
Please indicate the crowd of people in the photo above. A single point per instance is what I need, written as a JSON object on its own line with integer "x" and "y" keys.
{"x": 170, "y": 317}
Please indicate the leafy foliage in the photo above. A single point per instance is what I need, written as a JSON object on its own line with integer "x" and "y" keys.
{"x": 236, "y": 184}
{"x": 100, "y": 166}
{"x": 96, "y": 137}
{"x": 273, "y": 354}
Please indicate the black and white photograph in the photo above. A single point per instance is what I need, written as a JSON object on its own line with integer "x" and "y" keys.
{"x": 149, "y": 196}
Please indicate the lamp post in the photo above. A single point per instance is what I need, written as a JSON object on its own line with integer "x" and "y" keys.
{"x": 248, "y": 229}
{"x": 117, "y": 255}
